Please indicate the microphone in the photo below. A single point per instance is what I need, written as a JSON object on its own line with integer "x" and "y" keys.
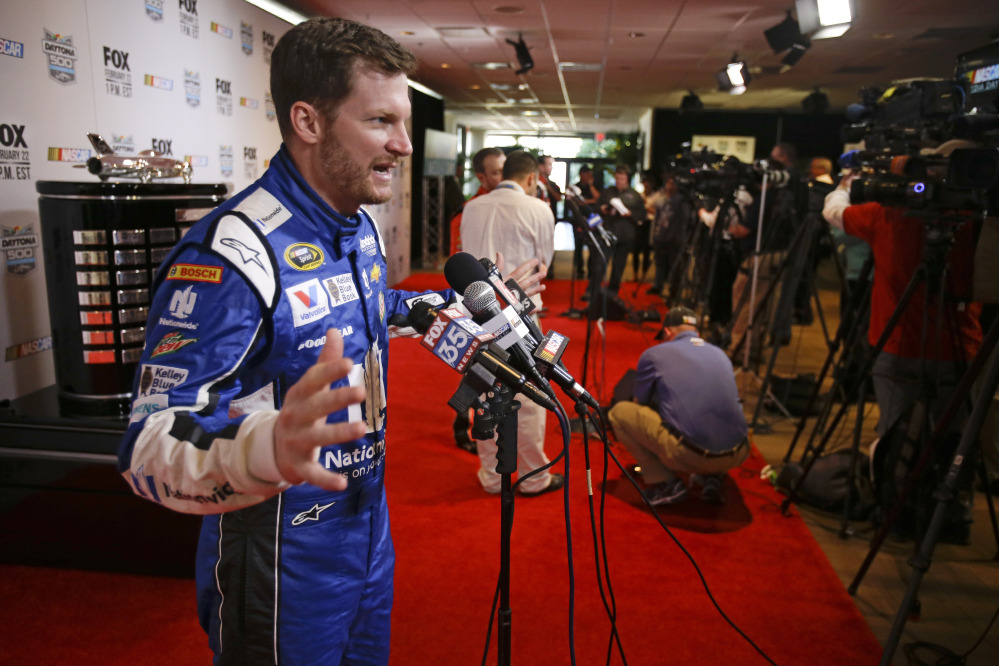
{"x": 507, "y": 325}
{"x": 593, "y": 220}
{"x": 465, "y": 347}
{"x": 462, "y": 269}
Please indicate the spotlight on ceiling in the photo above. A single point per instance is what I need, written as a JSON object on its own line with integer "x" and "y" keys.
{"x": 822, "y": 19}
{"x": 691, "y": 105}
{"x": 816, "y": 103}
{"x": 734, "y": 77}
{"x": 796, "y": 51}
{"x": 524, "y": 58}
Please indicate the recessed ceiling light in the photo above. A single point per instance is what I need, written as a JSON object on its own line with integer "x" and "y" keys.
{"x": 490, "y": 65}
{"x": 407, "y": 33}
{"x": 580, "y": 67}
{"x": 636, "y": 35}
{"x": 508, "y": 9}
{"x": 884, "y": 35}
{"x": 444, "y": 65}
{"x": 474, "y": 86}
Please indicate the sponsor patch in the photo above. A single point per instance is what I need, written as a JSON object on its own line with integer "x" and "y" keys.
{"x": 304, "y": 256}
{"x": 182, "y": 302}
{"x": 341, "y": 289}
{"x": 265, "y": 210}
{"x": 195, "y": 273}
{"x": 376, "y": 273}
{"x": 155, "y": 379}
{"x": 309, "y": 302}
{"x": 143, "y": 407}
{"x": 170, "y": 343}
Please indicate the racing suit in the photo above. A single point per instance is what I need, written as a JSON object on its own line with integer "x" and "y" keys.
{"x": 285, "y": 574}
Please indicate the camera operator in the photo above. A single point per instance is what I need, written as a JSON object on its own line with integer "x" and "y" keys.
{"x": 780, "y": 219}
{"x": 897, "y": 240}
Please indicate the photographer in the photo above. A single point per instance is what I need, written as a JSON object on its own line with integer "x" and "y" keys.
{"x": 780, "y": 220}
{"x": 622, "y": 221}
{"x": 904, "y": 368}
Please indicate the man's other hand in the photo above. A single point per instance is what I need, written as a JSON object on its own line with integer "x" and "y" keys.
{"x": 301, "y": 429}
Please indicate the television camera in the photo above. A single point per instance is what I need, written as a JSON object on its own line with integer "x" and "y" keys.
{"x": 901, "y": 125}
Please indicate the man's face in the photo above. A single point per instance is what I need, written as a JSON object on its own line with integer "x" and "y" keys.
{"x": 816, "y": 169}
{"x": 492, "y": 171}
{"x": 621, "y": 180}
{"x": 586, "y": 177}
{"x": 364, "y": 143}
{"x": 545, "y": 166}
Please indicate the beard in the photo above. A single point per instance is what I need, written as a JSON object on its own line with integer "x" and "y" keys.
{"x": 349, "y": 177}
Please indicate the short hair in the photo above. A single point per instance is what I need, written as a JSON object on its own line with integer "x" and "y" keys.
{"x": 479, "y": 159}
{"x": 316, "y": 61}
{"x": 621, "y": 168}
{"x": 542, "y": 158}
{"x": 518, "y": 164}
{"x": 822, "y": 162}
{"x": 585, "y": 169}
{"x": 790, "y": 152}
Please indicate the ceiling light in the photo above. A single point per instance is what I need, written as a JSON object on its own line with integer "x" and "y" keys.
{"x": 822, "y": 19}
{"x": 279, "y": 10}
{"x": 580, "y": 67}
{"x": 490, "y": 65}
{"x": 524, "y": 58}
{"x": 734, "y": 77}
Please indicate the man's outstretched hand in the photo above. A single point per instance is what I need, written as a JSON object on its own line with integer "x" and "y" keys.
{"x": 301, "y": 428}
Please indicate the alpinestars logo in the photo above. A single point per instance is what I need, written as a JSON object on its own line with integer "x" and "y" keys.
{"x": 61, "y": 55}
{"x": 311, "y": 514}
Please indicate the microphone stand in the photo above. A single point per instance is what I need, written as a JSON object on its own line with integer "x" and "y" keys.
{"x": 503, "y": 409}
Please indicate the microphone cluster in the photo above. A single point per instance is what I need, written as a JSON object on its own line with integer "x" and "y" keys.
{"x": 497, "y": 344}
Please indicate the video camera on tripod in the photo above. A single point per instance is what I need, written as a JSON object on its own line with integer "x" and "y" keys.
{"x": 706, "y": 174}
{"x": 897, "y": 124}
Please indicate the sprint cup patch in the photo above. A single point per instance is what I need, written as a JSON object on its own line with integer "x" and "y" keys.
{"x": 304, "y": 256}
{"x": 195, "y": 273}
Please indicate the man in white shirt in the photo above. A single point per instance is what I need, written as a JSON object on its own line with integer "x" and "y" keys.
{"x": 510, "y": 221}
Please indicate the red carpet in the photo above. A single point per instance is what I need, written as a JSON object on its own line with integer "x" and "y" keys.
{"x": 765, "y": 570}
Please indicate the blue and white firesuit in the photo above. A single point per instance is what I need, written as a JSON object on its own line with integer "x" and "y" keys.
{"x": 285, "y": 574}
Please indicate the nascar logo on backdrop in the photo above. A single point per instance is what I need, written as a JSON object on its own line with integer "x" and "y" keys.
{"x": 61, "y": 56}
{"x": 9, "y": 47}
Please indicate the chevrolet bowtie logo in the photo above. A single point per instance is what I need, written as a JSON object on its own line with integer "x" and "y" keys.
{"x": 311, "y": 514}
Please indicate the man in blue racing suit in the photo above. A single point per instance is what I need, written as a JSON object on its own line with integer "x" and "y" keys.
{"x": 260, "y": 397}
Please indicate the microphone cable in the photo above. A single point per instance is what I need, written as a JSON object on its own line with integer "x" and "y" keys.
{"x": 693, "y": 562}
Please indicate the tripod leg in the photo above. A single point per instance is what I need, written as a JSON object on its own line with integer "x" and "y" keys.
{"x": 944, "y": 495}
{"x": 845, "y": 531}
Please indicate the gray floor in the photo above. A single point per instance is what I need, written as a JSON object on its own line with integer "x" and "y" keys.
{"x": 959, "y": 594}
